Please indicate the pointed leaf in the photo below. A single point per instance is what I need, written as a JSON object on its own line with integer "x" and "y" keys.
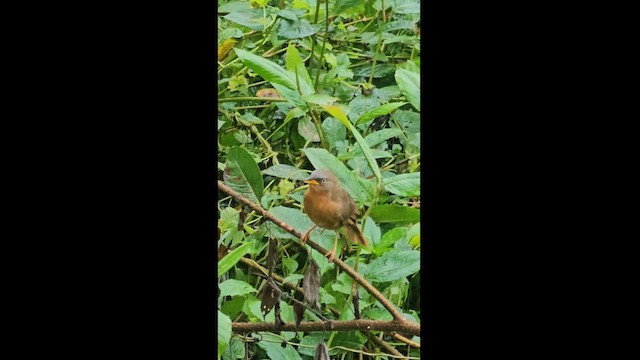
{"x": 409, "y": 83}
{"x": 232, "y": 258}
{"x": 268, "y": 70}
{"x": 243, "y": 175}
{"x": 382, "y": 110}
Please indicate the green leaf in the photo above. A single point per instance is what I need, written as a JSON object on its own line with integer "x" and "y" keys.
{"x": 293, "y": 217}
{"x": 322, "y": 159}
{"x": 371, "y": 230}
{"x": 409, "y": 83}
{"x": 235, "y": 351}
{"x": 334, "y": 131}
{"x": 388, "y": 239}
{"x": 250, "y": 18}
{"x": 224, "y": 332}
{"x": 275, "y": 351}
{"x": 393, "y": 265}
{"x": 268, "y": 70}
{"x": 379, "y": 136}
{"x": 295, "y": 65}
{"x": 292, "y": 96}
{"x": 382, "y": 110}
{"x": 307, "y": 129}
{"x": 234, "y": 287}
{"x": 406, "y": 185}
{"x": 249, "y": 119}
{"x": 243, "y": 175}
{"x": 361, "y": 104}
{"x": 389, "y": 213}
{"x": 297, "y": 29}
{"x": 284, "y": 171}
{"x": 251, "y": 307}
{"x": 367, "y": 152}
{"x": 232, "y": 258}
{"x": 337, "y": 113}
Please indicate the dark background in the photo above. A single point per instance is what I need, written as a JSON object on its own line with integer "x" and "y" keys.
{"x": 117, "y": 169}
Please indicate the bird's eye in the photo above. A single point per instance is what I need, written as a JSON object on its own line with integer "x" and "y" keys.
{"x": 323, "y": 180}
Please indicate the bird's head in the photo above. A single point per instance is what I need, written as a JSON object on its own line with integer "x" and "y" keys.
{"x": 322, "y": 180}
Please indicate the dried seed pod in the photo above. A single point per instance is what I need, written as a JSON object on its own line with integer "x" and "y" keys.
{"x": 311, "y": 284}
{"x": 356, "y": 303}
{"x": 322, "y": 353}
{"x": 272, "y": 255}
{"x": 298, "y": 312}
{"x": 278, "y": 318}
{"x": 270, "y": 297}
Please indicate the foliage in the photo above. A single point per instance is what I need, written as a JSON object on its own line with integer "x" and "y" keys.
{"x": 303, "y": 85}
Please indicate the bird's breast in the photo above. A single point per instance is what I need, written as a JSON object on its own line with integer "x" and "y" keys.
{"x": 323, "y": 212}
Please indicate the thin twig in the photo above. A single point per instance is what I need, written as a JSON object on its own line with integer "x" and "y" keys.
{"x": 388, "y": 348}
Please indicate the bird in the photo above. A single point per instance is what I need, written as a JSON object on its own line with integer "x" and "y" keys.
{"x": 329, "y": 206}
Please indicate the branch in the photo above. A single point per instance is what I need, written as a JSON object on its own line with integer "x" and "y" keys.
{"x": 348, "y": 325}
{"x": 346, "y": 268}
{"x": 381, "y": 343}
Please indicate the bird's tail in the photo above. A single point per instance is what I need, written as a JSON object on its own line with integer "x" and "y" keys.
{"x": 353, "y": 233}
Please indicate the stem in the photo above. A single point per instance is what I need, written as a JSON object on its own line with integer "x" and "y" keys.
{"x": 331, "y": 325}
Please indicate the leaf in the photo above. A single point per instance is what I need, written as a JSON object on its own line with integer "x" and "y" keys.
{"x": 337, "y": 113}
{"x": 393, "y": 265}
{"x": 361, "y": 105}
{"x": 371, "y": 230}
{"x": 293, "y": 217}
{"x": 232, "y": 258}
{"x": 249, "y": 119}
{"x": 322, "y": 159}
{"x": 224, "y": 332}
{"x": 297, "y": 29}
{"x": 334, "y": 131}
{"x": 295, "y": 65}
{"x": 243, "y": 175}
{"x": 274, "y": 350}
{"x": 284, "y": 171}
{"x": 389, "y": 213}
{"x": 379, "y": 136}
{"x": 406, "y": 185}
{"x": 249, "y": 18}
{"x": 234, "y": 287}
{"x": 268, "y": 70}
{"x": 224, "y": 49}
{"x": 367, "y": 152}
{"x": 308, "y": 130}
{"x": 409, "y": 83}
{"x": 388, "y": 239}
{"x": 311, "y": 284}
{"x": 382, "y": 110}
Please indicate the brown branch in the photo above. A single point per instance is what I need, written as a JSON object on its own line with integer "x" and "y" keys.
{"x": 347, "y": 325}
{"x": 403, "y": 339}
{"x": 352, "y": 273}
{"x": 388, "y": 348}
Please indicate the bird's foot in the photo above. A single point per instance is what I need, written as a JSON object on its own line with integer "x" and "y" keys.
{"x": 305, "y": 237}
{"x": 331, "y": 255}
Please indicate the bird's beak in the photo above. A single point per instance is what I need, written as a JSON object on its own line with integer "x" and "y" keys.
{"x": 311, "y": 182}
